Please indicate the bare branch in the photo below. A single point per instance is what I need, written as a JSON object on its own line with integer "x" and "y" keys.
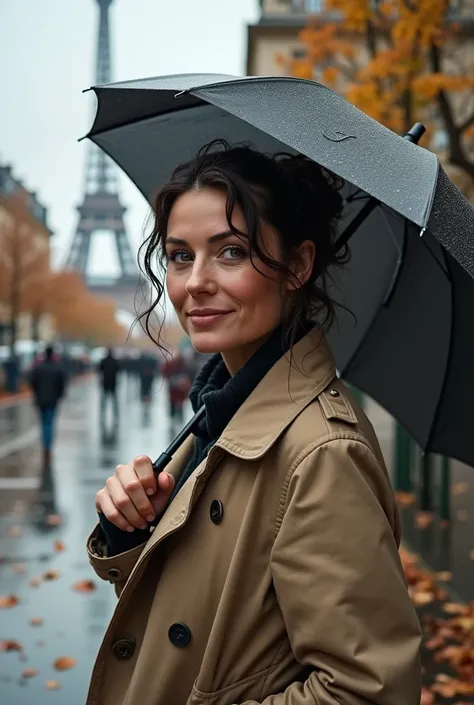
{"x": 466, "y": 124}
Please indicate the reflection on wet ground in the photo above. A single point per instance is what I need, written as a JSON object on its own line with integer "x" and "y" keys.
{"x": 44, "y": 520}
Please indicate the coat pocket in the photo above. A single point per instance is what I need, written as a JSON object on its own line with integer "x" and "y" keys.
{"x": 249, "y": 688}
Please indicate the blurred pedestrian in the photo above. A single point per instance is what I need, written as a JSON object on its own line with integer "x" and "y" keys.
{"x": 178, "y": 381}
{"x": 147, "y": 371}
{"x": 48, "y": 384}
{"x": 109, "y": 369}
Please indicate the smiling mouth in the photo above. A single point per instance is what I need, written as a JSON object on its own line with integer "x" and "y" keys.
{"x": 204, "y": 319}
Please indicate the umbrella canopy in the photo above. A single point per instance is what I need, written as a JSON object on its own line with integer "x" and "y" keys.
{"x": 410, "y": 338}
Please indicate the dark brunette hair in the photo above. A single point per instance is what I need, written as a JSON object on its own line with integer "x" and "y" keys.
{"x": 293, "y": 194}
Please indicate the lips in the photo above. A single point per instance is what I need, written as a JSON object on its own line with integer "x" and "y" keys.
{"x": 204, "y": 318}
{"x": 203, "y": 312}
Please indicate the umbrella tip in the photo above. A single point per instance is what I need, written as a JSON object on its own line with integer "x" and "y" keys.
{"x": 415, "y": 133}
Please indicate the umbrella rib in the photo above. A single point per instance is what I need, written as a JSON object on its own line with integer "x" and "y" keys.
{"x": 444, "y": 269}
{"x": 449, "y": 356}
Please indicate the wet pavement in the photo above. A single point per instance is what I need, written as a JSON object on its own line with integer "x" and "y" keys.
{"x": 73, "y": 623}
{"x": 42, "y": 560}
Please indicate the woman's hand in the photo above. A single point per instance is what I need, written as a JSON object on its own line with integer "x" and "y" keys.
{"x": 133, "y": 496}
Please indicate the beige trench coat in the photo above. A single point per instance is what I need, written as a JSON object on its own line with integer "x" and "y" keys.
{"x": 273, "y": 577}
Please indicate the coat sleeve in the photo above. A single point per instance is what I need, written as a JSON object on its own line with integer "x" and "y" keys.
{"x": 340, "y": 584}
{"x": 116, "y": 569}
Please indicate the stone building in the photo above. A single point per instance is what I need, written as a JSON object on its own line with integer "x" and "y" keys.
{"x": 11, "y": 189}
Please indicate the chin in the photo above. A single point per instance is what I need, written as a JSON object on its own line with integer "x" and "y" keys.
{"x": 211, "y": 342}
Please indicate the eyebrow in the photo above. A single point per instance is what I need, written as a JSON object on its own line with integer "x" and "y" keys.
{"x": 214, "y": 238}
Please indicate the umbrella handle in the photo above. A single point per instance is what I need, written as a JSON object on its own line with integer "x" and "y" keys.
{"x": 415, "y": 133}
{"x": 162, "y": 461}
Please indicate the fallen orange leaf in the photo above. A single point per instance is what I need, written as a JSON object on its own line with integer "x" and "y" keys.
{"x": 51, "y": 575}
{"x": 405, "y": 499}
{"x": 9, "y": 600}
{"x": 64, "y": 663}
{"x": 444, "y": 575}
{"x": 427, "y": 698}
{"x": 36, "y": 621}
{"x": 53, "y": 520}
{"x": 18, "y": 568}
{"x": 29, "y": 673}
{"x": 434, "y": 643}
{"x": 10, "y": 645}
{"x": 422, "y": 598}
{"x": 59, "y": 546}
{"x": 52, "y": 685}
{"x": 460, "y": 488}
{"x": 423, "y": 519}
{"x": 455, "y": 608}
{"x": 15, "y": 531}
{"x": 84, "y": 586}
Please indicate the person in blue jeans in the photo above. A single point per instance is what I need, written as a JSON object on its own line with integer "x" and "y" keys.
{"x": 48, "y": 384}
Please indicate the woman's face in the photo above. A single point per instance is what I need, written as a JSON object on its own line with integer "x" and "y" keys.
{"x": 223, "y": 303}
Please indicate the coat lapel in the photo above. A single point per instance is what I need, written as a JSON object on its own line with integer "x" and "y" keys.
{"x": 289, "y": 386}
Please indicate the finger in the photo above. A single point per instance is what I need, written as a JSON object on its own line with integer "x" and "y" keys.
{"x": 133, "y": 487}
{"x": 165, "y": 488}
{"x": 105, "y": 506}
{"x": 124, "y": 503}
{"x": 144, "y": 469}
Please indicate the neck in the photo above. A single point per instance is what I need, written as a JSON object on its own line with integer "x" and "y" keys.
{"x": 236, "y": 358}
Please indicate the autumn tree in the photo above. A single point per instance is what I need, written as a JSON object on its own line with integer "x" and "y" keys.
{"x": 24, "y": 261}
{"x": 400, "y": 61}
{"x": 80, "y": 315}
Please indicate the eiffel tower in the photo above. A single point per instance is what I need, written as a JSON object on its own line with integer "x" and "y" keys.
{"x": 101, "y": 208}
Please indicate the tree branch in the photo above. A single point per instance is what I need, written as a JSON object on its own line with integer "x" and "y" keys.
{"x": 467, "y": 123}
{"x": 457, "y": 155}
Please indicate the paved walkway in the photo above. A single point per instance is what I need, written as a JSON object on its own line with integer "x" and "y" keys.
{"x": 73, "y": 623}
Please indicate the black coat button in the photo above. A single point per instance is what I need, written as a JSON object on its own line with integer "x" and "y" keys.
{"x": 124, "y": 648}
{"x": 217, "y": 511}
{"x": 179, "y": 634}
{"x": 114, "y": 573}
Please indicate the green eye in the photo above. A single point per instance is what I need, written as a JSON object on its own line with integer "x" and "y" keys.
{"x": 179, "y": 256}
{"x": 234, "y": 252}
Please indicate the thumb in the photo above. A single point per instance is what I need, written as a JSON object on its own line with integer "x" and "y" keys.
{"x": 159, "y": 500}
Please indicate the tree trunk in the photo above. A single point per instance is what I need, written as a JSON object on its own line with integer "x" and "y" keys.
{"x": 457, "y": 154}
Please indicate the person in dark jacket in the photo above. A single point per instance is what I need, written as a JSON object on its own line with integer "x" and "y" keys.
{"x": 48, "y": 383}
{"x": 109, "y": 369}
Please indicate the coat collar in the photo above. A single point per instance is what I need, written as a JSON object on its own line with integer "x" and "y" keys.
{"x": 288, "y": 387}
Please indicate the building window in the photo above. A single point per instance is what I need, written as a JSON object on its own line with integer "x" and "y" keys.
{"x": 310, "y": 6}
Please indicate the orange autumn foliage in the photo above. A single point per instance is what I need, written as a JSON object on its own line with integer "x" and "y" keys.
{"x": 400, "y": 62}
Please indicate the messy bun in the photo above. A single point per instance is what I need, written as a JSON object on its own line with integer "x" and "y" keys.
{"x": 293, "y": 194}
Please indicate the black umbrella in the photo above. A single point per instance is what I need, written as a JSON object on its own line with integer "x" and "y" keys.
{"x": 411, "y": 231}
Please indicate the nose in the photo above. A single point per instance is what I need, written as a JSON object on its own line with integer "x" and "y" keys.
{"x": 200, "y": 280}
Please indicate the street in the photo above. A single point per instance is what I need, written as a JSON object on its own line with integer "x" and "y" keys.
{"x": 72, "y": 623}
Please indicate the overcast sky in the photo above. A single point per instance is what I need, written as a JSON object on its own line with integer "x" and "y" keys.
{"x": 47, "y": 54}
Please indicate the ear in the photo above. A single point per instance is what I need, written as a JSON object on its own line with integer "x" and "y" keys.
{"x": 302, "y": 264}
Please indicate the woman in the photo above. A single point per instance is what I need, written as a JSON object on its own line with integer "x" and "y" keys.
{"x": 262, "y": 566}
